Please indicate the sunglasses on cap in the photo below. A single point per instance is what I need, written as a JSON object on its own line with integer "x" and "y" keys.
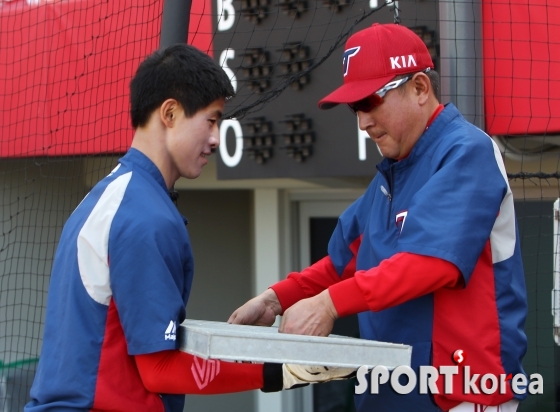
{"x": 368, "y": 103}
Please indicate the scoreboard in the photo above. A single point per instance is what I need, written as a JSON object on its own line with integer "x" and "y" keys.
{"x": 262, "y": 46}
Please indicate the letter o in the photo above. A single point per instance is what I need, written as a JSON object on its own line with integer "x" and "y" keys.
{"x": 231, "y": 161}
{"x": 396, "y": 385}
{"x": 484, "y": 384}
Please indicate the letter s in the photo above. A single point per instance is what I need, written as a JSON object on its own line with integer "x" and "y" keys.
{"x": 226, "y": 55}
{"x": 362, "y": 385}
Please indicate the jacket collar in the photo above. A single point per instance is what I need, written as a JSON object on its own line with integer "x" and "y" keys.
{"x": 430, "y": 135}
{"x": 139, "y": 159}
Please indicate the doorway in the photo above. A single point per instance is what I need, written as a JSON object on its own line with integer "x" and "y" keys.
{"x": 317, "y": 221}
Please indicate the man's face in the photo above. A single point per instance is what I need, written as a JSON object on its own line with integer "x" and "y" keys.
{"x": 192, "y": 139}
{"x": 394, "y": 125}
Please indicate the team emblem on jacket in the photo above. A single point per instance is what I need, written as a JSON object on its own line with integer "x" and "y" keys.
{"x": 400, "y": 218}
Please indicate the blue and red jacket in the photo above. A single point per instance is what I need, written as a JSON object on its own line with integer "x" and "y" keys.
{"x": 429, "y": 256}
{"x": 120, "y": 282}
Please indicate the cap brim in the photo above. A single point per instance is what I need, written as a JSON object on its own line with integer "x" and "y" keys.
{"x": 353, "y": 91}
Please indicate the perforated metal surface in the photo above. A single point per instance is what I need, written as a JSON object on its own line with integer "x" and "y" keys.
{"x": 220, "y": 340}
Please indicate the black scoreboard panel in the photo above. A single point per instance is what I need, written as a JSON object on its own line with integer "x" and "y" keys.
{"x": 261, "y": 45}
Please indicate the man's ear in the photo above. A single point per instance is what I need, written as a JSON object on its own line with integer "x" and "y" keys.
{"x": 168, "y": 112}
{"x": 422, "y": 87}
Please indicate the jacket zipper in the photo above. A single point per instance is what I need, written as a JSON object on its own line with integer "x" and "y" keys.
{"x": 388, "y": 193}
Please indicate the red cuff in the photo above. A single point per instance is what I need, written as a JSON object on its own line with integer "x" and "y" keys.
{"x": 288, "y": 292}
{"x": 348, "y": 298}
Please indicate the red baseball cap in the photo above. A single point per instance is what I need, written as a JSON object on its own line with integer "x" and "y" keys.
{"x": 373, "y": 57}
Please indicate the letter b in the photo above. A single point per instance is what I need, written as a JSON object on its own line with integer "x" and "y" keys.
{"x": 226, "y": 15}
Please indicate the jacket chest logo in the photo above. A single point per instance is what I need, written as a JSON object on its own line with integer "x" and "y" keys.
{"x": 400, "y": 219}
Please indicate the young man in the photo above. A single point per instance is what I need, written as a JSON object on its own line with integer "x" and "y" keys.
{"x": 123, "y": 269}
{"x": 429, "y": 255}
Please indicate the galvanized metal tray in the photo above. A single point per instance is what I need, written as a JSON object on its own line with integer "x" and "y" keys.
{"x": 220, "y": 340}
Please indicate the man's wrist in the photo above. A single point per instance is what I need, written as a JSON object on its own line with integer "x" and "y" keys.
{"x": 328, "y": 304}
{"x": 347, "y": 298}
{"x": 288, "y": 292}
{"x": 272, "y": 302}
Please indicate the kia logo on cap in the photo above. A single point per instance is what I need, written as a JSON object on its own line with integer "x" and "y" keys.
{"x": 399, "y": 62}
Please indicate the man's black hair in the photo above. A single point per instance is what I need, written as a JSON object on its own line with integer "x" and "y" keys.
{"x": 179, "y": 72}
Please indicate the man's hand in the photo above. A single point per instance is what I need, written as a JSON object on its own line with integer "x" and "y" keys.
{"x": 302, "y": 374}
{"x": 287, "y": 376}
{"x": 260, "y": 310}
{"x": 314, "y": 316}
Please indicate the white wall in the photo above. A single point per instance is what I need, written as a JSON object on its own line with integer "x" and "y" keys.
{"x": 220, "y": 231}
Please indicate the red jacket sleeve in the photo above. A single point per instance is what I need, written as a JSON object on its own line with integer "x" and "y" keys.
{"x": 402, "y": 277}
{"x": 176, "y": 372}
{"x": 313, "y": 280}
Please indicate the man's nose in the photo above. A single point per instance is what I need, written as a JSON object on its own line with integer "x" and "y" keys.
{"x": 214, "y": 140}
{"x": 365, "y": 120}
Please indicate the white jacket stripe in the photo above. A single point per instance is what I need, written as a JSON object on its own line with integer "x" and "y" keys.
{"x": 502, "y": 237}
{"x": 93, "y": 241}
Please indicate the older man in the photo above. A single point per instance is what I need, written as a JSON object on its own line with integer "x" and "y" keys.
{"x": 429, "y": 256}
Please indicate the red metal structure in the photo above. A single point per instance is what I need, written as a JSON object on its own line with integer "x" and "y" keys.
{"x": 521, "y": 43}
{"x": 65, "y": 68}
